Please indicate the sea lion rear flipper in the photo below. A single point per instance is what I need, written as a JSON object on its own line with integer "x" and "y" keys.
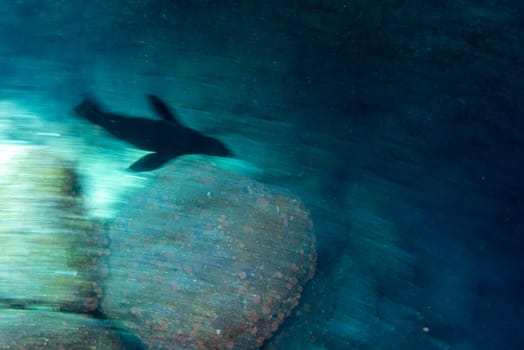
{"x": 90, "y": 110}
{"x": 149, "y": 162}
{"x": 163, "y": 110}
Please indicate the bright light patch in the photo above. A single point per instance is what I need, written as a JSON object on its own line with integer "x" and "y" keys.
{"x": 100, "y": 160}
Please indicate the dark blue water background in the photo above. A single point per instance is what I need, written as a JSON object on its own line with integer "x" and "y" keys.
{"x": 400, "y": 123}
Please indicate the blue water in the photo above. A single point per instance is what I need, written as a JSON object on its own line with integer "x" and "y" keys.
{"x": 399, "y": 123}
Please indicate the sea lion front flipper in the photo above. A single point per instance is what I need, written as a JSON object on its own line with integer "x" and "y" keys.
{"x": 163, "y": 110}
{"x": 149, "y": 162}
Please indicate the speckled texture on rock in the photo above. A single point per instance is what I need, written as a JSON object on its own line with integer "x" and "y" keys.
{"x": 49, "y": 251}
{"x": 206, "y": 259}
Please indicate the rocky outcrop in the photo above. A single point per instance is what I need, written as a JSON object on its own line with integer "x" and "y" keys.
{"x": 200, "y": 258}
{"x": 204, "y": 258}
{"x": 44, "y": 330}
{"x": 50, "y": 251}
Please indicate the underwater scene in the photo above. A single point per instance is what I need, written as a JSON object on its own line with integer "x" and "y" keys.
{"x": 316, "y": 174}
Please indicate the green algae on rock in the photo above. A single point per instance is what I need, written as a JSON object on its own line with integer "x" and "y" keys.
{"x": 39, "y": 330}
{"x": 50, "y": 251}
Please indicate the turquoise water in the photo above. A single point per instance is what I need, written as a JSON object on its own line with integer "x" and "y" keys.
{"x": 398, "y": 123}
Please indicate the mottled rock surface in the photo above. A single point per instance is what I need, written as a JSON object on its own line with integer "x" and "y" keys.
{"x": 49, "y": 256}
{"x": 39, "y": 330}
{"x": 204, "y": 258}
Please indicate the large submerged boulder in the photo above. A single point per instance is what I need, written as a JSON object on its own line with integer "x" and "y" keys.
{"x": 204, "y": 258}
{"x": 49, "y": 251}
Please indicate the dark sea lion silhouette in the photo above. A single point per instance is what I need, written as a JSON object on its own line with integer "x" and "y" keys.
{"x": 167, "y": 138}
